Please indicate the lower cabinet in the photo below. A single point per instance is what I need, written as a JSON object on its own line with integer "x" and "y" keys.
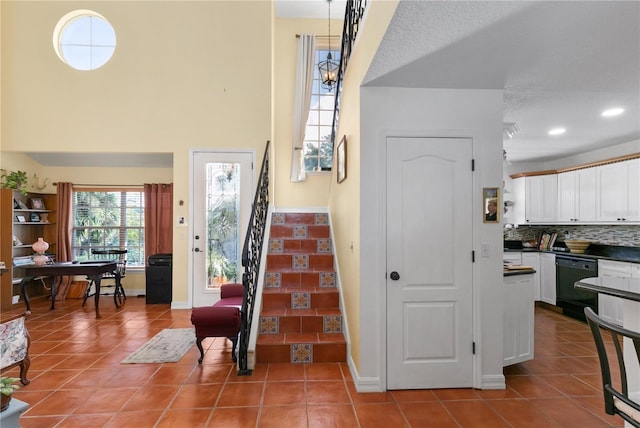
{"x": 610, "y": 307}
{"x": 533, "y": 259}
{"x": 548, "y": 278}
{"x": 518, "y": 317}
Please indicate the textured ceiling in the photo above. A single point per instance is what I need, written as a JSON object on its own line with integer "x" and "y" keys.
{"x": 560, "y": 63}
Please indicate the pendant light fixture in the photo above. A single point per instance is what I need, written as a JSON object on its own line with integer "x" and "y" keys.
{"x": 328, "y": 68}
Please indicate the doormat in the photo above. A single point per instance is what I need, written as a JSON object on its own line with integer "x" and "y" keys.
{"x": 168, "y": 346}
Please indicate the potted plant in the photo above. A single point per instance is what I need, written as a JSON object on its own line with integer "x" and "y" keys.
{"x": 7, "y": 386}
{"x": 16, "y": 180}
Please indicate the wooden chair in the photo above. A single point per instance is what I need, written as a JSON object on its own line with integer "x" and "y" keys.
{"x": 120, "y": 256}
{"x": 616, "y": 400}
{"x": 14, "y": 345}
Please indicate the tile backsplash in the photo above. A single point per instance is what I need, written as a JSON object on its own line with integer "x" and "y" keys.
{"x": 624, "y": 235}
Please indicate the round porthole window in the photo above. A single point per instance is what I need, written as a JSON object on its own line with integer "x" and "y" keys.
{"x": 84, "y": 40}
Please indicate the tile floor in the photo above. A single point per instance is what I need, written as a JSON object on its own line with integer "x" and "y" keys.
{"x": 77, "y": 381}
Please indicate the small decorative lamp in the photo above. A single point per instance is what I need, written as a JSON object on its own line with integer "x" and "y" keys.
{"x": 40, "y": 247}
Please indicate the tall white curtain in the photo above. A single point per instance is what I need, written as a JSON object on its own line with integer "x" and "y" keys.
{"x": 304, "y": 82}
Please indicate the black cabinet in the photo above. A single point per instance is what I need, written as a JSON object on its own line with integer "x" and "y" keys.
{"x": 158, "y": 276}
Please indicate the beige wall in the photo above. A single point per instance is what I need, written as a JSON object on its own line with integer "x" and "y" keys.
{"x": 344, "y": 198}
{"x": 315, "y": 190}
{"x": 184, "y": 75}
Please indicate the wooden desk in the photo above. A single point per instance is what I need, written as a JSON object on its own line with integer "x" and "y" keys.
{"x": 93, "y": 270}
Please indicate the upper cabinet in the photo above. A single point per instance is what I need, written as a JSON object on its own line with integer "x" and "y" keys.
{"x": 608, "y": 193}
{"x": 618, "y": 192}
{"x": 577, "y": 195}
{"x": 541, "y": 198}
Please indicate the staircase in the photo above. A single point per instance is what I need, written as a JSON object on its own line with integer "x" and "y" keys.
{"x": 300, "y": 321}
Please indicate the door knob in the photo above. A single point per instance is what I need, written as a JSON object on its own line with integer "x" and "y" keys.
{"x": 197, "y": 250}
{"x": 395, "y": 275}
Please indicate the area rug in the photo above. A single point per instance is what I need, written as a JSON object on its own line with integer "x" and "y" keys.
{"x": 168, "y": 346}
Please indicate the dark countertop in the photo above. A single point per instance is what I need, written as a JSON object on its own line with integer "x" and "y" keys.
{"x": 514, "y": 272}
{"x": 594, "y": 251}
{"x": 626, "y": 288}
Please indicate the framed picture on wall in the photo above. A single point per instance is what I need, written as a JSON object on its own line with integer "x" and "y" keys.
{"x": 36, "y": 203}
{"x": 491, "y": 202}
{"x": 341, "y": 159}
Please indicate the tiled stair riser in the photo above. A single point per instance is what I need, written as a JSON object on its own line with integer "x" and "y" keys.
{"x": 300, "y": 320}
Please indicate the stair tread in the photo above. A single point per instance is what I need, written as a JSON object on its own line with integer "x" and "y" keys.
{"x": 289, "y": 312}
{"x": 290, "y": 338}
{"x": 289, "y": 290}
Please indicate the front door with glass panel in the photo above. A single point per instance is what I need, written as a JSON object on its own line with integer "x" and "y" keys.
{"x": 222, "y": 190}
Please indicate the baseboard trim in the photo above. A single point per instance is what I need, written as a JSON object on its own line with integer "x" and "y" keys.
{"x": 493, "y": 382}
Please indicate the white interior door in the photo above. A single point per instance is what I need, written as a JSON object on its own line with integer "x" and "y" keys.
{"x": 429, "y": 267}
{"x": 222, "y": 193}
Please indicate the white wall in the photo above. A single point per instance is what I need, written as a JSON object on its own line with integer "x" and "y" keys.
{"x": 431, "y": 112}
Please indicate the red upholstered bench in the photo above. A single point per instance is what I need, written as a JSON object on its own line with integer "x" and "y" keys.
{"x": 220, "y": 320}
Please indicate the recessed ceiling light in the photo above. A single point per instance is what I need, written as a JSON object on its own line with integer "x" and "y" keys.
{"x": 557, "y": 131}
{"x": 612, "y": 112}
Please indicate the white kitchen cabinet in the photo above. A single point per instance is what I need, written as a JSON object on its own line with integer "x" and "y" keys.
{"x": 541, "y": 198}
{"x": 635, "y": 270}
{"x": 518, "y": 331}
{"x": 577, "y": 195}
{"x": 533, "y": 259}
{"x": 548, "y": 278}
{"x": 610, "y": 308}
{"x": 513, "y": 257}
{"x": 618, "y": 192}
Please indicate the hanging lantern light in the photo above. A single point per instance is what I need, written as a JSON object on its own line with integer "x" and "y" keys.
{"x": 329, "y": 68}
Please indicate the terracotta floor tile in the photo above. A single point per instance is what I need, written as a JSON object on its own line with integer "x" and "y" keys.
{"x": 570, "y": 385}
{"x": 427, "y": 415}
{"x": 568, "y": 413}
{"x": 106, "y": 400}
{"x": 522, "y": 413}
{"x": 139, "y": 419}
{"x": 327, "y": 392}
{"x": 456, "y": 394}
{"x": 241, "y": 394}
{"x": 234, "y": 417}
{"x": 323, "y": 371}
{"x": 152, "y": 397}
{"x": 474, "y": 413}
{"x": 40, "y": 421}
{"x": 329, "y": 416}
{"x": 201, "y": 395}
{"x": 75, "y": 421}
{"x": 409, "y": 395}
{"x": 379, "y": 415}
{"x": 532, "y": 387}
{"x": 284, "y": 393}
{"x": 279, "y": 416}
{"x": 192, "y": 418}
{"x": 278, "y": 372}
{"x": 77, "y": 381}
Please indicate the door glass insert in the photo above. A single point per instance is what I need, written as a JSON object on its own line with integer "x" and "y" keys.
{"x": 223, "y": 215}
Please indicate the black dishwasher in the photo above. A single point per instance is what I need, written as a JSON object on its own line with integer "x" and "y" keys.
{"x": 569, "y": 270}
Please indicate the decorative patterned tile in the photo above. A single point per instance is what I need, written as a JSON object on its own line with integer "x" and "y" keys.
{"x": 300, "y": 300}
{"x": 300, "y": 261}
{"x": 276, "y": 245}
{"x": 269, "y": 325}
{"x": 327, "y": 279}
{"x": 322, "y": 218}
{"x": 277, "y": 218}
{"x": 273, "y": 280}
{"x": 332, "y": 324}
{"x": 324, "y": 246}
{"x": 301, "y": 353}
{"x": 299, "y": 231}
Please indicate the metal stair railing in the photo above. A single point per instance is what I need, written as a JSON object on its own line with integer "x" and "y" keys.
{"x": 251, "y": 254}
{"x": 354, "y": 12}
